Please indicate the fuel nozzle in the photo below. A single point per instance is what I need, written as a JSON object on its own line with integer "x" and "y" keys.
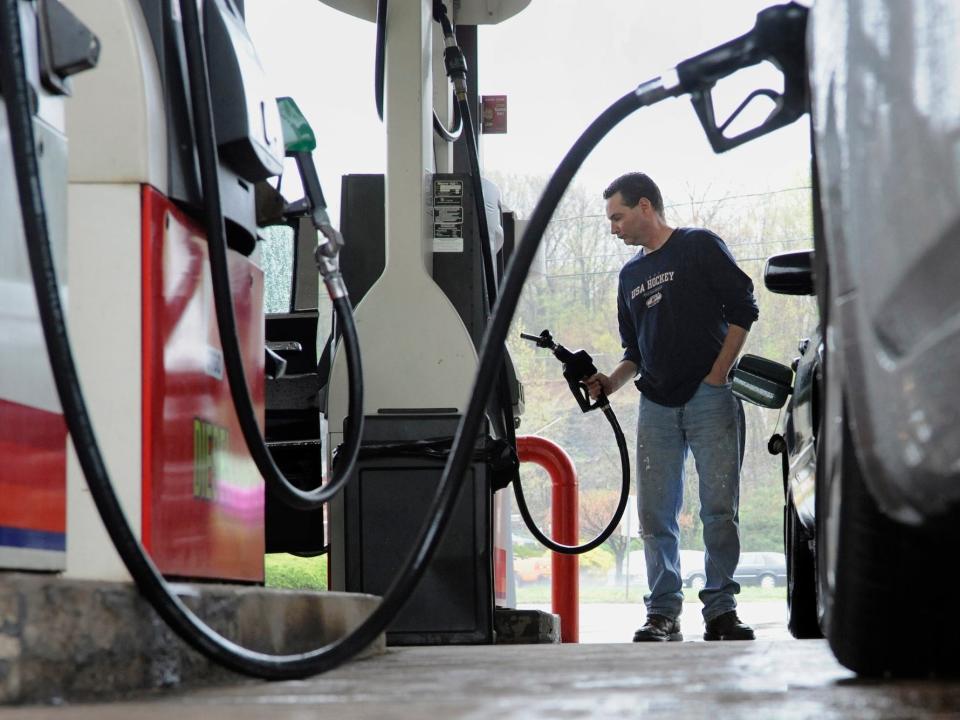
{"x": 577, "y": 367}
{"x": 300, "y": 143}
{"x": 778, "y": 36}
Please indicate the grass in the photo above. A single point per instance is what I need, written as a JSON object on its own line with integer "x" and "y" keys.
{"x": 298, "y": 573}
{"x": 540, "y": 593}
{"x": 295, "y": 573}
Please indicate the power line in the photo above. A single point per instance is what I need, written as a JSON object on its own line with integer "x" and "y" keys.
{"x": 625, "y": 257}
{"x": 617, "y": 271}
{"x": 628, "y": 256}
{"x": 768, "y": 193}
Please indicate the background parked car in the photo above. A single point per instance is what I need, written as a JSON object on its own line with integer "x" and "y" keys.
{"x": 766, "y": 569}
{"x": 692, "y": 569}
{"x": 532, "y": 569}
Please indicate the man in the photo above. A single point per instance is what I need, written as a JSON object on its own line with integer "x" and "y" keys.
{"x": 684, "y": 309}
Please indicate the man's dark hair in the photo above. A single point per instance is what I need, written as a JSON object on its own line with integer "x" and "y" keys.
{"x": 634, "y": 186}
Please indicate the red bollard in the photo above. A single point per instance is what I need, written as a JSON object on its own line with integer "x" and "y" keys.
{"x": 565, "y": 587}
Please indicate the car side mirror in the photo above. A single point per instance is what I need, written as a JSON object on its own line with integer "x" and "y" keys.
{"x": 790, "y": 273}
{"x": 763, "y": 382}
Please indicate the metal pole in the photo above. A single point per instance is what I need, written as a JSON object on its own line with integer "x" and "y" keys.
{"x": 565, "y": 587}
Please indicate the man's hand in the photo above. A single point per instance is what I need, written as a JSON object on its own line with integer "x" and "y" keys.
{"x": 609, "y": 384}
{"x": 716, "y": 378}
{"x": 597, "y": 384}
{"x": 732, "y": 345}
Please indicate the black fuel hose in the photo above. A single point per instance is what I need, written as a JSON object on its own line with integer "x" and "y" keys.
{"x": 454, "y": 133}
{"x": 16, "y": 94}
{"x": 457, "y": 66}
{"x": 604, "y": 534}
{"x": 277, "y": 483}
{"x": 450, "y": 135}
{"x": 458, "y": 74}
{"x": 522, "y": 258}
{"x": 148, "y": 579}
{"x": 379, "y": 58}
{"x": 473, "y": 153}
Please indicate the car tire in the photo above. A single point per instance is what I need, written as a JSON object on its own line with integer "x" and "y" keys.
{"x": 697, "y": 582}
{"x": 882, "y": 618}
{"x": 768, "y": 582}
{"x": 801, "y": 578}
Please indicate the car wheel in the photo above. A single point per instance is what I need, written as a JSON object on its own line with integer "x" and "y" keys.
{"x": 697, "y": 582}
{"x": 801, "y": 578}
{"x": 768, "y": 582}
{"x": 877, "y": 580}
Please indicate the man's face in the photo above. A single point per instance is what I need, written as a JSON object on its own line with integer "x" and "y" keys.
{"x": 630, "y": 224}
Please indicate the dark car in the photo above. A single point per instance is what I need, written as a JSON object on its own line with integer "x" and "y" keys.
{"x": 796, "y": 442}
{"x": 766, "y": 569}
{"x": 833, "y": 527}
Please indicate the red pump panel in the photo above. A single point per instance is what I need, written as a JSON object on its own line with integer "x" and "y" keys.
{"x": 203, "y": 498}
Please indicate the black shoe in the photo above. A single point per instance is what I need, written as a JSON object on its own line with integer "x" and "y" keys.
{"x": 658, "y": 628}
{"x": 728, "y": 627}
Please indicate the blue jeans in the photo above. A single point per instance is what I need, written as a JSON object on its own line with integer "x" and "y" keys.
{"x": 711, "y": 425}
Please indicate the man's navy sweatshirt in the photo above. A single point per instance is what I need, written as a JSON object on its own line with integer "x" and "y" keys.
{"x": 675, "y": 305}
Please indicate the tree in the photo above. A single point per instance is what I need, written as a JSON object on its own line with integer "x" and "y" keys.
{"x": 596, "y": 510}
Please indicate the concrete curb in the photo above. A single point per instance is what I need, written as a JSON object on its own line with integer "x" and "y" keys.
{"x": 84, "y": 640}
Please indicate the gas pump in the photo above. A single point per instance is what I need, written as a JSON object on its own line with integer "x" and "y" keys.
{"x": 425, "y": 289}
{"x": 141, "y": 308}
{"x": 33, "y": 448}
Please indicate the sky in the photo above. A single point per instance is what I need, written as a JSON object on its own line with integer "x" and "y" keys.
{"x": 560, "y": 63}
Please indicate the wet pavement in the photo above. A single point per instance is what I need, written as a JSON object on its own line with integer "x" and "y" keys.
{"x": 616, "y": 622}
{"x": 773, "y": 677}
